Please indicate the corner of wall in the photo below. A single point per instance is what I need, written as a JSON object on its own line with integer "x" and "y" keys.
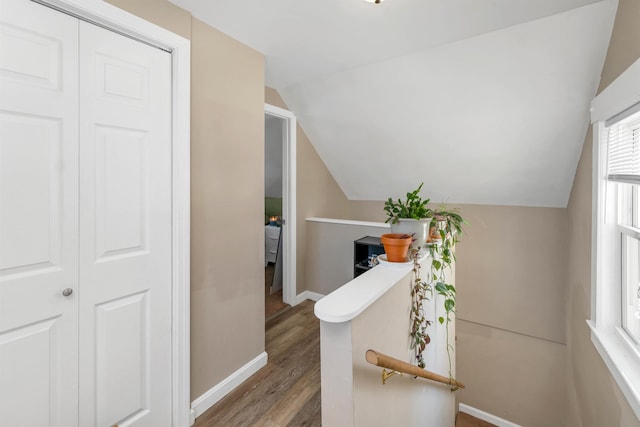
{"x": 593, "y": 397}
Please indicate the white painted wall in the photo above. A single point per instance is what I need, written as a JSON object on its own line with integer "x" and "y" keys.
{"x": 487, "y": 102}
{"x": 273, "y": 156}
{"x": 496, "y": 119}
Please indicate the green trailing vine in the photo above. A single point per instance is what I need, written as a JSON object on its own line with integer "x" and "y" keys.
{"x": 420, "y": 292}
{"x": 449, "y": 294}
{"x": 448, "y": 228}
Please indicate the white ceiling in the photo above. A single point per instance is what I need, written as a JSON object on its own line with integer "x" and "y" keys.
{"x": 486, "y": 101}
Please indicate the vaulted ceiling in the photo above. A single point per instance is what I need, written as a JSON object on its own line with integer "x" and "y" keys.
{"x": 486, "y": 101}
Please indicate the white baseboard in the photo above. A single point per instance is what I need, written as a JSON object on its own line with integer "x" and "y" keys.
{"x": 485, "y": 416}
{"x": 224, "y": 387}
{"x": 313, "y": 296}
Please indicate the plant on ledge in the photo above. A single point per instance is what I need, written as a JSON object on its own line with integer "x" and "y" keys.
{"x": 413, "y": 208}
{"x": 410, "y": 216}
{"x": 447, "y": 227}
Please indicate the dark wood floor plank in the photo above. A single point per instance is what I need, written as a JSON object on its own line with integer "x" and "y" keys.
{"x": 287, "y": 390}
{"x": 309, "y": 415}
{"x": 296, "y": 397}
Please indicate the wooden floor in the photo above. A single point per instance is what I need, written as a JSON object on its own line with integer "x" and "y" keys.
{"x": 272, "y": 302}
{"x": 286, "y": 392}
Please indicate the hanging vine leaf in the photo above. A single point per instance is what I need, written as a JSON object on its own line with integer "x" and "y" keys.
{"x": 449, "y": 304}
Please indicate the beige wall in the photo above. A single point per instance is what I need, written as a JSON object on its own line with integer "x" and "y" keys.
{"x": 227, "y": 190}
{"x": 514, "y": 376}
{"x": 510, "y": 275}
{"x": 227, "y": 195}
{"x": 318, "y": 194}
{"x": 594, "y": 398}
{"x": 160, "y": 12}
{"x": 512, "y": 269}
{"x": 333, "y": 246}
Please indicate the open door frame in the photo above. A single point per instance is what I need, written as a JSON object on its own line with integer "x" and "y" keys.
{"x": 289, "y": 294}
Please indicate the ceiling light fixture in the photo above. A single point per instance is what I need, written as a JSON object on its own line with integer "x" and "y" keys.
{"x": 374, "y": 1}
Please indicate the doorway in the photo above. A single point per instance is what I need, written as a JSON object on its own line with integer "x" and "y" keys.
{"x": 280, "y": 202}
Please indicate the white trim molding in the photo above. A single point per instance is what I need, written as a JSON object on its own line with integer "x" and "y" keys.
{"x": 113, "y": 18}
{"x": 308, "y": 295}
{"x": 621, "y": 94}
{"x": 289, "y": 198}
{"x": 349, "y": 222}
{"x": 226, "y": 386}
{"x": 485, "y": 416}
{"x": 181, "y": 215}
{"x": 622, "y": 360}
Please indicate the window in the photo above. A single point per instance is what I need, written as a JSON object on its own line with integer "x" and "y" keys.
{"x": 623, "y": 172}
{"x": 615, "y": 310}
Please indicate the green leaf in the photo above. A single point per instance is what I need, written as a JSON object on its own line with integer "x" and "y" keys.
{"x": 441, "y": 288}
{"x": 436, "y": 264}
{"x": 441, "y": 320}
{"x": 449, "y": 304}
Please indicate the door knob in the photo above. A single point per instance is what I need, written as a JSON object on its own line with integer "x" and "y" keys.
{"x": 67, "y": 292}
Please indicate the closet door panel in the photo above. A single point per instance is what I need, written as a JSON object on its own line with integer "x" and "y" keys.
{"x": 125, "y": 229}
{"x": 121, "y": 186}
{"x": 38, "y": 216}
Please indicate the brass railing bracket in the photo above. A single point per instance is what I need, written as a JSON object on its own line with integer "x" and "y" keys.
{"x": 388, "y": 374}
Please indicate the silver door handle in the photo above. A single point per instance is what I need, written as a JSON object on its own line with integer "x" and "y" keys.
{"x": 67, "y": 292}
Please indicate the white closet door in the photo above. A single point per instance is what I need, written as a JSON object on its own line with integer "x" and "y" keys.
{"x": 38, "y": 216}
{"x": 125, "y": 231}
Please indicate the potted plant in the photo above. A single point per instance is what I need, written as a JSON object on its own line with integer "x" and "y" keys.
{"x": 396, "y": 246}
{"x": 411, "y": 216}
{"x": 446, "y": 222}
{"x": 443, "y": 226}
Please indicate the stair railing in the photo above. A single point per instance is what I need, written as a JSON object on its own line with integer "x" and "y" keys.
{"x": 398, "y": 366}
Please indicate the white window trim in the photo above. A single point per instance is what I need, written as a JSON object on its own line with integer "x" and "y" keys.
{"x": 617, "y": 350}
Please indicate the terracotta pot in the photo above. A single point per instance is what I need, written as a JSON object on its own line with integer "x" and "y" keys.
{"x": 396, "y": 246}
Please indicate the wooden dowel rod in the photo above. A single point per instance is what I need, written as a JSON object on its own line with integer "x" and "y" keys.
{"x": 389, "y": 362}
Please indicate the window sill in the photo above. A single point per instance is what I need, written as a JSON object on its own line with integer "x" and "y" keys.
{"x": 622, "y": 361}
